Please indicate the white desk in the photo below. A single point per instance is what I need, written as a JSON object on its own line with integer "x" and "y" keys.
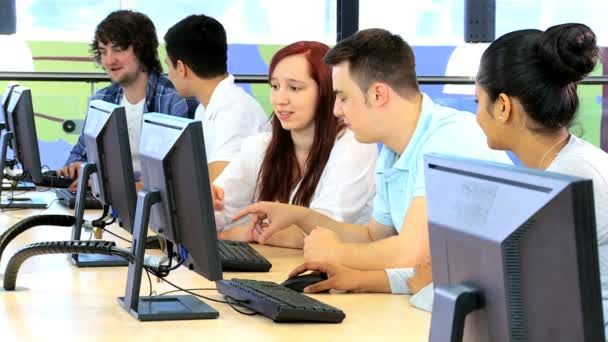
{"x": 57, "y": 302}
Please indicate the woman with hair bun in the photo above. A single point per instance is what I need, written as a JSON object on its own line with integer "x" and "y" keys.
{"x": 526, "y": 93}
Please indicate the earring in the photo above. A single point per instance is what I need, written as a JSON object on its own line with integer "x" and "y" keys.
{"x": 500, "y": 117}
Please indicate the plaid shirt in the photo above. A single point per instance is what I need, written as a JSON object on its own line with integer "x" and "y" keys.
{"x": 161, "y": 97}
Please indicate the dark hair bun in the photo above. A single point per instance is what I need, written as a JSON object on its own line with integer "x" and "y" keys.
{"x": 568, "y": 52}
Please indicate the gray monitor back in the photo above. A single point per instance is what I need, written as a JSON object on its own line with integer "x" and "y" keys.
{"x": 6, "y": 96}
{"x": 20, "y": 115}
{"x": 106, "y": 139}
{"x": 172, "y": 154}
{"x": 526, "y": 239}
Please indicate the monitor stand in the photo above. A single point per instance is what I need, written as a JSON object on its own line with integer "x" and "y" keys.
{"x": 451, "y": 305}
{"x": 21, "y": 185}
{"x": 23, "y": 203}
{"x": 88, "y": 260}
{"x": 157, "y": 308}
{"x": 15, "y": 202}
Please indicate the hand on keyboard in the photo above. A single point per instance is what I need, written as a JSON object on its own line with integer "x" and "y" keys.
{"x": 70, "y": 171}
{"x": 55, "y": 179}
{"x": 338, "y": 278}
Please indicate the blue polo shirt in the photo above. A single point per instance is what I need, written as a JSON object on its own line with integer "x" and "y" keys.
{"x": 400, "y": 177}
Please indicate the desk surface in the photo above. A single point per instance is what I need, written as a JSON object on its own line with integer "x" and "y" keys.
{"x": 56, "y": 301}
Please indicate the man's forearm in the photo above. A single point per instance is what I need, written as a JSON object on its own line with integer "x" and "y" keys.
{"x": 374, "y": 281}
{"x": 291, "y": 237}
{"x": 308, "y": 219}
{"x": 377, "y": 255}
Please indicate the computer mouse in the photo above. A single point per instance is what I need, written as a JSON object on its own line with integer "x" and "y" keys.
{"x": 298, "y": 283}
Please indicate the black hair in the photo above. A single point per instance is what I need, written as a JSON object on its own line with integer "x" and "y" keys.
{"x": 376, "y": 55}
{"x": 541, "y": 70}
{"x": 126, "y": 28}
{"x": 199, "y": 42}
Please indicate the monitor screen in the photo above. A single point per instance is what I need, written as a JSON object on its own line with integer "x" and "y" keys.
{"x": 106, "y": 139}
{"x": 524, "y": 240}
{"x": 172, "y": 153}
{"x": 20, "y": 118}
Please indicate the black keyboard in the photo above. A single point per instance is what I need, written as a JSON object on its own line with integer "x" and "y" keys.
{"x": 68, "y": 199}
{"x": 50, "y": 179}
{"x": 279, "y": 303}
{"x": 240, "y": 257}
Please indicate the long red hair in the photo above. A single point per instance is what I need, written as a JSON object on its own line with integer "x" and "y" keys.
{"x": 276, "y": 179}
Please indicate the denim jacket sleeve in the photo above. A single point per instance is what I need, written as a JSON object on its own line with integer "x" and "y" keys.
{"x": 78, "y": 153}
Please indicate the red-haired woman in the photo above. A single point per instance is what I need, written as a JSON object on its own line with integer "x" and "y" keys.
{"x": 309, "y": 159}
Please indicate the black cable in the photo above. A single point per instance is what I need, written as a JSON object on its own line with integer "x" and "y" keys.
{"x": 52, "y": 202}
{"x": 192, "y": 293}
{"x": 198, "y": 289}
{"x": 149, "y": 281}
{"x": 33, "y": 221}
{"x": 237, "y": 304}
{"x": 234, "y": 304}
{"x": 116, "y": 235}
{"x": 111, "y": 221}
{"x": 58, "y": 247}
{"x": 106, "y": 211}
{"x": 91, "y": 247}
{"x": 176, "y": 266}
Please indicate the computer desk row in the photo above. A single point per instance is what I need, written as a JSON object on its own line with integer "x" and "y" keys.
{"x": 55, "y": 300}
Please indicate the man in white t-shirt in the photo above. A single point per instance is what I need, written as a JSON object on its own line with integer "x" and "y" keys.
{"x": 126, "y": 45}
{"x": 197, "y": 59}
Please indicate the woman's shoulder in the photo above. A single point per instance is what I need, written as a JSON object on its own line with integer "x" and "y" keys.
{"x": 581, "y": 158}
{"x": 253, "y": 148}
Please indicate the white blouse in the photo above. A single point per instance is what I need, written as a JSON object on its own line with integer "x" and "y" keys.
{"x": 345, "y": 190}
{"x": 580, "y": 158}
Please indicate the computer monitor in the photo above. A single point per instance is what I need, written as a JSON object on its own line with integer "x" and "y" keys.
{"x": 4, "y": 105}
{"x": 109, "y": 166}
{"x": 20, "y": 119}
{"x": 515, "y": 247}
{"x": 21, "y": 130}
{"x": 106, "y": 139}
{"x": 176, "y": 202}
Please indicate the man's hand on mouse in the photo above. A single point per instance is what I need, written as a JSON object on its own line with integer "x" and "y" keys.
{"x": 338, "y": 277}
{"x": 322, "y": 245}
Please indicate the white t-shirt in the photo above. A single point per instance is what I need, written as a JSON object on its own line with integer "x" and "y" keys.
{"x": 134, "y": 114}
{"x": 231, "y": 116}
{"x": 345, "y": 190}
{"x": 582, "y": 159}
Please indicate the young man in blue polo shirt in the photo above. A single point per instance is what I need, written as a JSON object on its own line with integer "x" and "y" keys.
{"x": 126, "y": 45}
{"x": 377, "y": 95}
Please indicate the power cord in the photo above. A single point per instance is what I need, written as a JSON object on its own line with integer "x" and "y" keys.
{"x": 149, "y": 282}
{"x": 192, "y": 293}
{"x": 113, "y": 234}
{"x": 236, "y": 304}
{"x": 197, "y": 289}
